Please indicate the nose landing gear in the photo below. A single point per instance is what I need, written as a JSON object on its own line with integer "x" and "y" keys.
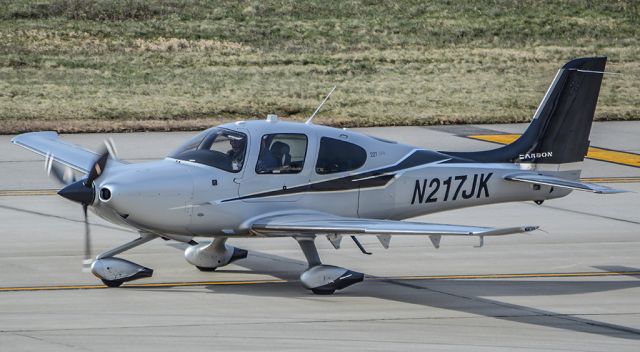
{"x": 115, "y": 271}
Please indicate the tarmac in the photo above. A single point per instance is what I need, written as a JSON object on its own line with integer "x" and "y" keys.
{"x": 573, "y": 286}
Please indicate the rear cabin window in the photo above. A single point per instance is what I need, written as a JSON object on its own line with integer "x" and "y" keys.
{"x": 339, "y": 156}
{"x": 282, "y": 153}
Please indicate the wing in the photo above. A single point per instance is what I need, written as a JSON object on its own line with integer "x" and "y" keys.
{"x": 560, "y": 182}
{"x": 321, "y": 223}
{"x": 50, "y": 144}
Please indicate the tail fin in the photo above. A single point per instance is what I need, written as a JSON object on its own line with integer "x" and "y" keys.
{"x": 559, "y": 131}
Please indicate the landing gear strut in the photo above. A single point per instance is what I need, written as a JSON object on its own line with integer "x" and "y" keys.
{"x": 115, "y": 271}
{"x": 320, "y": 278}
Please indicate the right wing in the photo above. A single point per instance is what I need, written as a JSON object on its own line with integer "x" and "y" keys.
{"x": 322, "y": 223}
{"x": 49, "y": 144}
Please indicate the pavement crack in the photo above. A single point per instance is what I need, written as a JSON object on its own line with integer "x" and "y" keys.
{"x": 39, "y": 339}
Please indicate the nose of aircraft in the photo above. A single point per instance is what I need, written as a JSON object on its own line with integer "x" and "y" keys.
{"x": 78, "y": 192}
{"x": 154, "y": 195}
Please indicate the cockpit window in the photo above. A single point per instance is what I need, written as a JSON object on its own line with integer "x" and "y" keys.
{"x": 218, "y": 147}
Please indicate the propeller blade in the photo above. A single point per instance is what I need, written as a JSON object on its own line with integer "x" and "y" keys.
{"x": 100, "y": 163}
{"x": 62, "y": 174}
{"x": 97, "y": 169}
{"x": 111, "y": 148}
{"x": 88, "y": 259}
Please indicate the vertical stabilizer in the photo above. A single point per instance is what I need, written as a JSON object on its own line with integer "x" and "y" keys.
{"x": 559, "y": 131}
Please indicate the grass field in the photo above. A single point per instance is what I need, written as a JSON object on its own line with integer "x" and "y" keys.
{"x": 91, "y": 65}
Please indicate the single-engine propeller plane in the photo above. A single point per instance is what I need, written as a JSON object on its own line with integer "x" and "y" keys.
{"x": 274, "y": 178}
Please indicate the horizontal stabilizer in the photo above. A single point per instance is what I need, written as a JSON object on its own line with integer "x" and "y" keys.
{"x": 49, "y": 145}
{"x": 560, "y": 182}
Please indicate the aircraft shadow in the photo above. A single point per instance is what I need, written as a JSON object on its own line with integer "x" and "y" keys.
{"x": 468, "y": 296}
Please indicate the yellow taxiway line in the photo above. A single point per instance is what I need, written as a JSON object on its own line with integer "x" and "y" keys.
{"x": 279, "y": 281}
{"x": 611, "y": 179}
{"x": 596, "y": 153}
{"x": 27, "y": 192}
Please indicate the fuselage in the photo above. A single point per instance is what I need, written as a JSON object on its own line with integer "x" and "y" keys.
{"x": 329, "y": 170}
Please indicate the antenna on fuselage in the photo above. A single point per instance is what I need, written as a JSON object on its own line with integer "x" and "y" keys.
{"x": 320, "y": 106}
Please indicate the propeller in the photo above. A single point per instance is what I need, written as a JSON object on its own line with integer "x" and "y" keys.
{"x": 82, "y": 191}
{"x": 88, "y": 258}
{"x": 63, "y": 174}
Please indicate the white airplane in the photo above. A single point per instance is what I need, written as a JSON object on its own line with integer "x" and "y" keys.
{"x": 274, "y": 178}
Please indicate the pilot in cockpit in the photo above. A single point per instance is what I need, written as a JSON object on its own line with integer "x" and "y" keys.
{"x": 236, "y": 153}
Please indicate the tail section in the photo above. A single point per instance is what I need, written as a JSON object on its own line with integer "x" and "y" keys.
{"x": 559, "y": 131}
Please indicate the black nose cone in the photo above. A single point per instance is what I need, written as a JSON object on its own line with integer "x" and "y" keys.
{"x": 78, "y": 192}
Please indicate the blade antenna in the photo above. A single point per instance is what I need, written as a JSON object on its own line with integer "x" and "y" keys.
{"x": 320, "y": 106}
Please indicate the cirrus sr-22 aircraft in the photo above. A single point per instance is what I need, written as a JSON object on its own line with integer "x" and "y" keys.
{"x": 274, "y": 178}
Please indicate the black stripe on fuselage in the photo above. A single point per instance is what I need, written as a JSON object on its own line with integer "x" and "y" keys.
{"x": 369, "y": 179}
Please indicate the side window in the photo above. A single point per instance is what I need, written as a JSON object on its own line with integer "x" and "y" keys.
{"x": 339, "y": 156}
{"x": 282, "y": 153}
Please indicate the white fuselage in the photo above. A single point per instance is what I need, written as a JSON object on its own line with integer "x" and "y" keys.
{"x": 181, "y": 197}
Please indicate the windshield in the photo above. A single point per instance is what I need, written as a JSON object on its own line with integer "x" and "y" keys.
{"x": 218, "y": 147}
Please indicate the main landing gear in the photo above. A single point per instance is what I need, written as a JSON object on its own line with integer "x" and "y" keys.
{"x": 210, "y": 256}
{"x": 320, "y": 278}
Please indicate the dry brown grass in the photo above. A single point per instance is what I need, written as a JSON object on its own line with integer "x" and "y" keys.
{"x": 131, "y": 65}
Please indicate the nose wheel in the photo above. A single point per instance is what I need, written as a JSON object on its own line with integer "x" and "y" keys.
{"x": 113, "y": 271}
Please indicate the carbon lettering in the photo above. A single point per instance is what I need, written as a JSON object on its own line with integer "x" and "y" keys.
{"x": 528, "y": 156}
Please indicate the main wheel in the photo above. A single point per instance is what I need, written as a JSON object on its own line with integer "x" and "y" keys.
{"x": 113, "y": 283}
{"x": 203, "y": 268}
{"x": 322, "y": 292}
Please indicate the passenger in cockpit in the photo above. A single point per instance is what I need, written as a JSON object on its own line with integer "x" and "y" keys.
{"x": 266, "y": 161}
